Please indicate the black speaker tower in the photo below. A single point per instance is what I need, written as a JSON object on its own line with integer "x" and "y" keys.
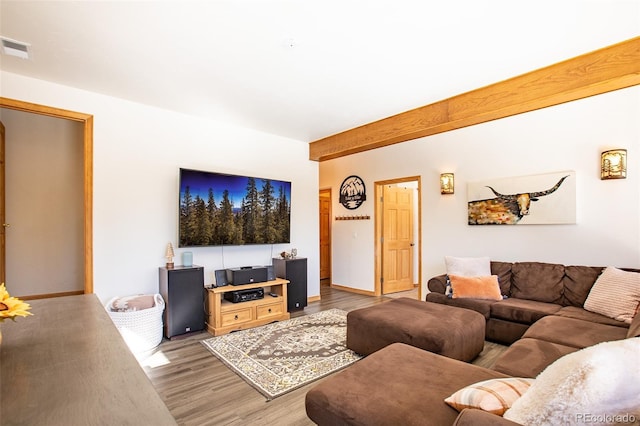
{"x": 183, "y": 291}
{"x": 294, "y": 270}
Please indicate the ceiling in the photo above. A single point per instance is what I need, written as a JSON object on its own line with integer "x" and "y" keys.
{"x": 302, "y": 69}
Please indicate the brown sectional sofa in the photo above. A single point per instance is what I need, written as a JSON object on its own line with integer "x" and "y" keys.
{"x": 533, "y": 291}
{"x": 542, "y": 319}
{"x": 401, "y": 384}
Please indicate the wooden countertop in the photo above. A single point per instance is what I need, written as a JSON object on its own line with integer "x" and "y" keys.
{"x": 68, "y": 365}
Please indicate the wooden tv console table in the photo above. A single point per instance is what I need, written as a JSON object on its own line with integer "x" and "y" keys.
{"x": 224, "y": 316}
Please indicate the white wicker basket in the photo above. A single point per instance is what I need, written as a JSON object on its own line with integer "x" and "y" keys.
{"x": 141, "y": 330}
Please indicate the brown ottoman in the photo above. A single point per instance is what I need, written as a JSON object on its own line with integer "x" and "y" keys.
{"x": 398, "y": 385}
{"x": 446, "y": 330}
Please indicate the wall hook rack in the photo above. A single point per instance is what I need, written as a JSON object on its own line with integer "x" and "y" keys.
{"x": 353, "y": 217}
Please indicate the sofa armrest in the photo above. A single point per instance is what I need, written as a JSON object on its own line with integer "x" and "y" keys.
{"x": 475, "y": 417}
{"x": 438, "y": 284}
{"x": 634, "y": 327}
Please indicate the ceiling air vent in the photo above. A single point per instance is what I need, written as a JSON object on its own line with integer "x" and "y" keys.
{"x": 15, "y": 48}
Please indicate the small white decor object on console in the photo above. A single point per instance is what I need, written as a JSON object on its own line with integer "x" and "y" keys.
{"x": 169, "y": 255}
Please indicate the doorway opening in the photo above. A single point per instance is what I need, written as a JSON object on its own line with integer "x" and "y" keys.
{"x": 86, "y": 121}
{"x": 398, "y": 236}
{"x": 325, "y": 236}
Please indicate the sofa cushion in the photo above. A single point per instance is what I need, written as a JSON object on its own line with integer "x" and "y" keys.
{"x": 478, "y": 287}
{"x": 583, "y": 314}
{"x": 578, "y": 281}
{"x": 505, "y": 332}
{"x": 522, "y": 311}
{"x": 474, "y": 417}
{"x": 503, "y": 271}
{"x": 537, "y": 281}
{"x": 573, "y": 332}
{"x": 494, "y": 395}
{"x": 616, "y": 294}
{"x": 528, "y": 357}
{"x": 598, "y": 382}
{"x": 478, "y": 305}
{"x": 397, "y": 385}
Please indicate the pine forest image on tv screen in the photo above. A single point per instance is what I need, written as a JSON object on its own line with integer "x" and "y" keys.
{"x": 221, "y": 209}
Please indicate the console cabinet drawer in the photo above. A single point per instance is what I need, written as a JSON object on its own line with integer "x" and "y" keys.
{"x": 237, "y": 317}
{"x": 269, "y": 310}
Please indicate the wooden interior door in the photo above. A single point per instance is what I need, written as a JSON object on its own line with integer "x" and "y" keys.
{"x": 397, "y": 245}
{"x": 3, "y": 224}
{"x": 325, "y": 233}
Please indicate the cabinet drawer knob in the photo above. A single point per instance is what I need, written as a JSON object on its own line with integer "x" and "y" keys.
{"x": 269, "y": 310}
{"x": 235, "y": 317}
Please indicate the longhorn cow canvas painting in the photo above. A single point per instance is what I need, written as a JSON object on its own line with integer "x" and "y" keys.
{"x": 538, "y": 199}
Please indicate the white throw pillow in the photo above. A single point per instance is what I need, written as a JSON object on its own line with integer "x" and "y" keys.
{"x": 615, "y": 294}
{"x": 468, "y": 266}
{"x": 598, "y": 385}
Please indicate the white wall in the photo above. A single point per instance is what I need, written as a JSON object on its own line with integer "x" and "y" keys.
{"x": 137, "y": 153}
{"x": 564, "y": 137}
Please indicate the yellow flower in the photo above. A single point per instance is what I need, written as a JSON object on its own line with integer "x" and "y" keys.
{"x": 11, "y": 307}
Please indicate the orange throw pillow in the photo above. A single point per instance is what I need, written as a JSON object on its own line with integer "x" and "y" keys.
{"x": 476, "y": 287}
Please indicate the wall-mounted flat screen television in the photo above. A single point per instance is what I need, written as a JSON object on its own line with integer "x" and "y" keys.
{"x": 220, "y": 209}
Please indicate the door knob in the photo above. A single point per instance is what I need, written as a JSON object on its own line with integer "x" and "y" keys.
{"x": 6, "y": 225}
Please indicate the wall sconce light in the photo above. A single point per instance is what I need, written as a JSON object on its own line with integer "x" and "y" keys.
{"x": 446, "y": 183}
{"x": 613, "y": 164}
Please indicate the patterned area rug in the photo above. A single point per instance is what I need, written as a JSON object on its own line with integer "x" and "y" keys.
{"x": 280, "y": 357}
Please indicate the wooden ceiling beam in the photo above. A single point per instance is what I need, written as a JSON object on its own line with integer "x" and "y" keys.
{"x": 604, "y": 70}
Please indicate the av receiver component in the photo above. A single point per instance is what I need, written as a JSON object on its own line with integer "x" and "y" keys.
{"x": 238, "y": 296}
{"x": 247, "y": 275}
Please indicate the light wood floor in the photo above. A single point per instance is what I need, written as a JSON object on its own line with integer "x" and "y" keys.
{"x": 199, "y": 390}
